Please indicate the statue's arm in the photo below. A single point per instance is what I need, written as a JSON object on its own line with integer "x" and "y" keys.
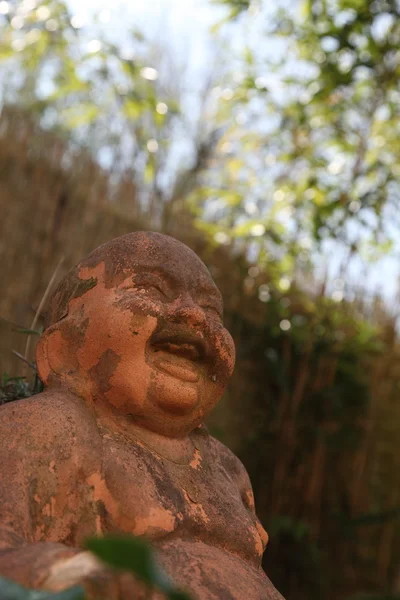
{"x": 30, "y": 564}
{"x": 245, "y": 487}
{"x": 41, "y": 459}
{"x": 23, "y": 467}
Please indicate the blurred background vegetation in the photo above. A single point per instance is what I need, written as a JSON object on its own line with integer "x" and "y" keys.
{"x": 277, "y": 159}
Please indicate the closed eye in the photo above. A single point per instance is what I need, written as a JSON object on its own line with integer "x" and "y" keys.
{"x": 213, "y": 309}
{"x": 154, "y": 286}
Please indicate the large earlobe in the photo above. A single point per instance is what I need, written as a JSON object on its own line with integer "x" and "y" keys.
{"x": 53, "y": 355}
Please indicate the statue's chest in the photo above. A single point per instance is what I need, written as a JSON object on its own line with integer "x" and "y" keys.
{"x": 145, "y": 494}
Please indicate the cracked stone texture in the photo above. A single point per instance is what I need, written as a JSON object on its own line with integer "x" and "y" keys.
{"x": 134, "y": 356}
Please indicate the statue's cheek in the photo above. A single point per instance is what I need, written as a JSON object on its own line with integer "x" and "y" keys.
{"x": 226, "y": 350}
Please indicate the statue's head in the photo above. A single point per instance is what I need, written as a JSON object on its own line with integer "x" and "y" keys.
{"x": 137, "y": 327}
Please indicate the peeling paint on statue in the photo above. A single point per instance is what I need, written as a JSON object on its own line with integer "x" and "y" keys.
{"x": 133, "y": 357}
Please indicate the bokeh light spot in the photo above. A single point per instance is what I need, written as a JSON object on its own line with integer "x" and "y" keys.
{"x": 285, "y": 325}
{"x": 152, "y": 145}
{"x": 4, "y": 8}
{"x": 149, "y": 73}
{"x": 284, "y": 284}
{"x": 43, "y": 13}
{"x": 77, "y": 22}
{"x": 257, "y": 230}
{"x": 221, "y": 238}
{"x": 162, "y": 108}
{"x": 17, "y": 22}
{"x": 94, "y": 46}
{"x": 51, "y": 25}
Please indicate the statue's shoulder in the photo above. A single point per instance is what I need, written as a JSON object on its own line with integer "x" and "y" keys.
{"x": 50, "y": 420}
{"x": 50, "y": 403}
{"x": 221, "y": 453}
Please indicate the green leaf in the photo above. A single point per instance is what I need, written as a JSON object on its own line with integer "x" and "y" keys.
{"x": 12, "y": 591}
{"x": 28, "y": 331}
{"x": 128, "y": 554}
{"x": 135, "y": 555}
{"x": 178, "y": 596}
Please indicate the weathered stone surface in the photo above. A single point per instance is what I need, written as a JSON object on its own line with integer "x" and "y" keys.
{"x": 133, "y": 358}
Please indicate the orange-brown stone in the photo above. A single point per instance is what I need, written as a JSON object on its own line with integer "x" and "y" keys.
{"x": 133, "y": 358}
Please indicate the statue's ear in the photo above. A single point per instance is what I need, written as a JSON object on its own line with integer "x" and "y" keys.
{"x": 52, "y": 353}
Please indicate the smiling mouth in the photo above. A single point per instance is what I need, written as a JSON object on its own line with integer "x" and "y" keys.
{"x": 179, "y": 354}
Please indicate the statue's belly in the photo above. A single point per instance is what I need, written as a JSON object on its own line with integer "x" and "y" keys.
{"x": 211, "y": 573}
{"x": 139, "y": 494}
{"x": 195, "y": 518}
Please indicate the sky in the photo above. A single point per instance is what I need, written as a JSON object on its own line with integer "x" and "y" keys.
{"x": 181, "y": 26}
{"x": 185, "y": 23}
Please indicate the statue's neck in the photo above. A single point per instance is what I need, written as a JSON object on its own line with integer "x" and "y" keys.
{"x": 180, "y": 450}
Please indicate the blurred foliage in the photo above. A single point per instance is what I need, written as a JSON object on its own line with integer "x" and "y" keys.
{"x": 237, "y": 7}
{"x": 311, "y": 155}
{"x": 115, "y": 98}
{"x": 315, "y": 393}
{"x": 312, "y": 152}
{"x": 14, "y": 388}
{"x": 382, "y": 596}
{"x": 301, "y": 141}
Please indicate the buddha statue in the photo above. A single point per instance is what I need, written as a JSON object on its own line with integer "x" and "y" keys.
{"x": 133, "y": 357}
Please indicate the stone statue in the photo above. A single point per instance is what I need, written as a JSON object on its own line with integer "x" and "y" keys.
{"x": 133, "y": 357}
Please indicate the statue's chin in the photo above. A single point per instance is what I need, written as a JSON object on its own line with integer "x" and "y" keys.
{"x": 177, "y": 406}
{"x": 174, "y": 396}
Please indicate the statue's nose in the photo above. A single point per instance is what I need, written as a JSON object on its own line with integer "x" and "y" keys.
{"x": 185, "y": 310}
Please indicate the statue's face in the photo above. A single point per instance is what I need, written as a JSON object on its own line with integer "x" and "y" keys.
{"x": 151, "y": 340}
